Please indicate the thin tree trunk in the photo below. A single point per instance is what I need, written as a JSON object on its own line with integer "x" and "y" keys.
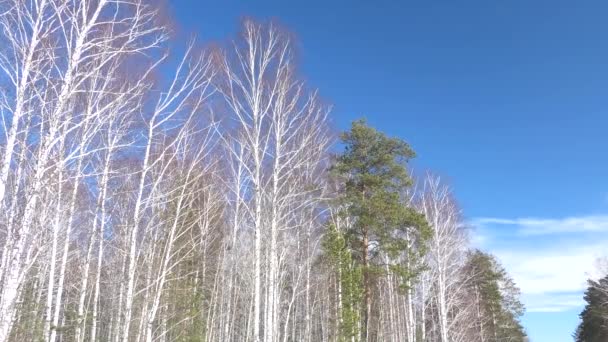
{"x": 366, "y": 289}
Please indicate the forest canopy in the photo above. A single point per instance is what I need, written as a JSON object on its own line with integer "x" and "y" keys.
{"x": 150, "y": 195}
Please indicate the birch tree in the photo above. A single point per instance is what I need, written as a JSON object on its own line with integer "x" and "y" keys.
{"x": 151, "y": 197}
{"x": 277, "y": 121}
{"x": 184, "y": 97}
{"x": 60, "y": 58}
{"x": 446, "y": 256}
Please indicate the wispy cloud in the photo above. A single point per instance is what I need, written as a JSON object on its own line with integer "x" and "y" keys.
{"x": 557, "y": 302}
{"x": 548, "y": 271}
{"x": 542, "y": 226}
{"x": 546, "y": 257}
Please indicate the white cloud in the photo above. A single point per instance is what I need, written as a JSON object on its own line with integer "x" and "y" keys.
{"x": 540, "y": 226}
{"x": 559, "y": 269}
{"x": 547, "y": 260}
{"x": 553, "y": 303}
{"x": 478, "y": 239}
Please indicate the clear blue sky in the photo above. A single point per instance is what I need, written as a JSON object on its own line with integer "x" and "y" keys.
{"x": 506, "y": 99}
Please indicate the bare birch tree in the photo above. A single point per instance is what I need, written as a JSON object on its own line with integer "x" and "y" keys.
{"x": 150, "y": 198}
{"x": 446, "y": 257}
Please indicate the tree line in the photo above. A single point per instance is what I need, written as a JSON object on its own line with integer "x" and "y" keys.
{"x": 149, "y": 197}
{"x": 594, "y": 316}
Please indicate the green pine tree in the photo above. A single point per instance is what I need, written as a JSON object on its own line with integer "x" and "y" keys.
{"x": 349, "y": 277}
{"x": 497, "y": 299}
{"x": 373, "y": 167}
{"x": 594, "y": 317}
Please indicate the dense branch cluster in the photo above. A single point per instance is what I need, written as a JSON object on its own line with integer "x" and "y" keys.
{"x": 593, "y": 325}
{"x": 150, "y": 198}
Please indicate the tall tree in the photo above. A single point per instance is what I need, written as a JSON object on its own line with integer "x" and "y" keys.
{"x": 348, "y": 282}
{"x": 277, "y": 141}
{"x": 442, "y": 278}
{"x": 374, "y": 169}
{"x": 594, "y": 317}
{"x": 497, "y": 306}
{"x": 188, "y": 201}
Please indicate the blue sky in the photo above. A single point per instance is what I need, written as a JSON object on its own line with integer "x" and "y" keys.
{"x": 507, "y": 99}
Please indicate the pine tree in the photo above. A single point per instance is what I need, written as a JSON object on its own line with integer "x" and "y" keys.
{"x": 496, "y": 298}
{"x": 349, "y": 278}
{"x": 374, "y": 169}
{"x": 594, "y": 317}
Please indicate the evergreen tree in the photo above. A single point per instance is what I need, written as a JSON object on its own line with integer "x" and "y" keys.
{"x": 349, "y": 278}
{"x": 496, "y": 298}
{"x": 374, "y": 169}
{"x": 594, "y": 317}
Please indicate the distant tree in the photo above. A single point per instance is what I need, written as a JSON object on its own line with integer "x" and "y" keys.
{"x": 594, "y": 317}
{"x": 373, "y": 167}
{"x": 497, "y": 305}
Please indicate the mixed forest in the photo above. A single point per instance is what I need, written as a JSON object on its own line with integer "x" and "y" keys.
{"x": 158, "y": 191}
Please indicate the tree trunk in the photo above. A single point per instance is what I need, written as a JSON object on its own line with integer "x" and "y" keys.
{"x": 366, "y": 289}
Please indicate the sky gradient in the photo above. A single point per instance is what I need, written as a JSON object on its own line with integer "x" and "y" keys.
{"x": 505, "y": 99}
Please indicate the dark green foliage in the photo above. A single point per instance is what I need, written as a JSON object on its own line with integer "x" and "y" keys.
{"x": 350, "y": 278}
{"x": 373, "y": 166}
{"x": 496, "y": 297}
{"x": 594, "y": 317}
{"x": 375, "y": 179}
